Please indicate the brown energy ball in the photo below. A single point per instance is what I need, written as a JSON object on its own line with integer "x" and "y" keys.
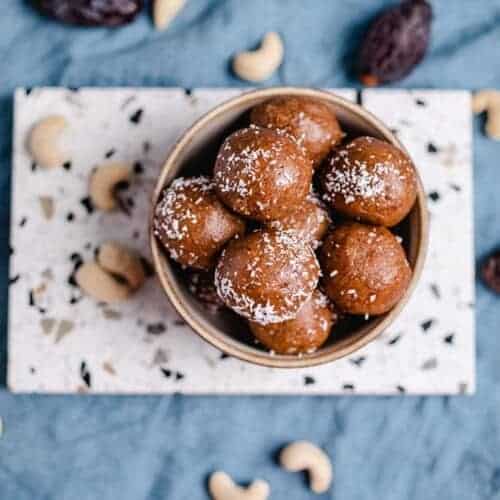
{"x": 305, "y": 333}
{"x": 266, "y": 276}
{"x": 261, "y": 174}
{"x": 365, "y": 270}
{"x": 310, "y": 122}
{"x": 309, "y": 221}
{"x": 192, "y": 224}
{"x": 371, "y": 181}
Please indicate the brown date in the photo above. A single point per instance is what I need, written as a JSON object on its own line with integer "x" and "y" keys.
{"x": 91, "y": 12}
{"x": 395, "y": 43}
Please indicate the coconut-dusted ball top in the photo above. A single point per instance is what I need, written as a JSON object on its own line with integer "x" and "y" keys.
{"x": 310, "y": 221}
{"x": 365, "y": 270}
{"x": 311, "y": 122}
{"x": 305, "y": 333}
{"x": 267, "y": 275}
{"x": 261, "y": 174}
{"x": 370, "y": 180}
{"x": 192, "y": 224}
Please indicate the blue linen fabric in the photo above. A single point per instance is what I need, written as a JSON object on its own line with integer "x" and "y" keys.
{"x": 155, "y": 448}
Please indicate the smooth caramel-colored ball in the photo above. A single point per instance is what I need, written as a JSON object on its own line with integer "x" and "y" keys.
{"x": 261, "y": 174}
{"x": 192, "y": 224}
{"x": 371, "y": 181}
{"x": 311, "y": 122}
{"x": 365, "y": 270}
{"x": 305, "y": 333}
{"x": 267, "y": 275}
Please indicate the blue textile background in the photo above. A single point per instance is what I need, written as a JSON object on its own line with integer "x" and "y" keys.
{"x": 136, "y": 448}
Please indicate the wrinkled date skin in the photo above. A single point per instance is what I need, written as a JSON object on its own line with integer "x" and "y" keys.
{"x": 395, "y": 43}
{"x": 91, "y": 12}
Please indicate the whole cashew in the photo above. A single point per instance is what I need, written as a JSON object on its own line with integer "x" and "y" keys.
{"x": 260, "y": 64}
{"x": 43, "y": 141}
{"x": 99, "y": 279}
{"x": 222, "y": 487}
{"x": 118, "y": 260}
{"x": 303, "y": 455}
{"x": 104, "y": 182}
{"x": 489, "y": 101}
{"x": 164, "y": 12}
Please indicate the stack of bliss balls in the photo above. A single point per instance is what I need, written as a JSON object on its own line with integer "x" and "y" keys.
{"x": 291, "y": 230}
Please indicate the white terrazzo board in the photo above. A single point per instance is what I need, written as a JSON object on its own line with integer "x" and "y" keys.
{"x": 429, "y": 350}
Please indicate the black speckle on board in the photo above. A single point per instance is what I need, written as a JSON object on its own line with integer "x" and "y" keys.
{"x": 77, "y": 262}
{"x": 426, "y": 325}
{"x": 348, "y": 387}
{"x": 401, "y": 389}
{"x": 179, "y": 376}
{"x": 33, "y": 166}
{"x": 395, "y": 131}
{"x": 431, "y": 148}
{"x": 85, "y": 374}
{"x": 73, "y": 89}
{"x": 146, "y": 147}
{"x": 14, "y": 279}
{"x": 32, "y": 370}
{"x": 180, "y": 322}
{"x": 455, "y": 187}
{"x": 67, "y": 165}
{"x": 136, "y": 234}
{"x": 359, "y": 98}
{"x": 449, "y": 339}
{"x": 188, "y": 91}
{"x": 87, "y": 204}
{"x": 31, "y": 298}
{"x": 435, "y": 290}
{"x": 434, "y": 196}
{"x": 420, "y": 102}
{"x": 166, "y": 373}
{"x": 28, "y": 90}
{"x": 394, "y": 340}
{"x": 223, "y": 355}
{"x": 308, "y": 380}
{"x": 358, "y": 361}
{"x": 430, "y": 364}
{"x": 11, "y": 251}
{"x": 23, "y": 221}
{"x": 138, "y": 168}
{"x": 136, "y": 117}
{"x": 156, "y": 328}
{"x": 110, "y": 153}
{"x": 70, "y": 217}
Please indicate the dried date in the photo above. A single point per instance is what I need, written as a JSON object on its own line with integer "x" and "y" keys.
{"x": 91, "y": 12}
{"x": 490, "y": 271}
{"x": 395, "y": 43}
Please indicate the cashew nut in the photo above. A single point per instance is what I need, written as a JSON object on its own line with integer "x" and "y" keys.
{"x": 104, "y": 182}
{"x": 118, "y": 260}
{"x": 260, "y": 64}
{"x": 303, "y": 455}
{"x": 489, "y": 101}
{"x": 164, "y": 12}
{"x": 222, "y": 487}
{"x": 43, "y": 141}
{"x": 117, "y": 273}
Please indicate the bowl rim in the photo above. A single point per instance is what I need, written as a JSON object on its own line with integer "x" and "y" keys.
{"x": 217, "y": 337}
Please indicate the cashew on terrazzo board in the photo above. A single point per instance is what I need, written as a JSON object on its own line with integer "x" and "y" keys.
{"x": 44, "y": 142}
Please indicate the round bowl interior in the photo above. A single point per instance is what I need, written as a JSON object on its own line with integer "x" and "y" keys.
{"x": 195, "y": 153}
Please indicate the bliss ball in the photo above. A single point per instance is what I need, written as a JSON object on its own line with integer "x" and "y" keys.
{"x": 261, "y": 174}
{"x": 310, "y": 221}
{"x": 371, "y": 181}
{"x": 266, "y": 276}
{"x": 365, "y": 270}
{"x": 311, "y": 122}
{"x": 192, "y": 224}
{"x": 305, "y": 333}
